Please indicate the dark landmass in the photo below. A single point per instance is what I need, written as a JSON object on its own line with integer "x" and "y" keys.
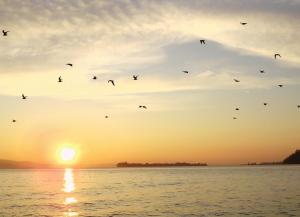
{"x": 293, "y": 158}
{"x": 10, "y": 164}
{"x": 179, "y": 164}
{"x": 270, "y": 163}
{"x": 263, "y": 163}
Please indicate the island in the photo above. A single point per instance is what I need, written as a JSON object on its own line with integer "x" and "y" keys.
{"x": 178, "y": 164}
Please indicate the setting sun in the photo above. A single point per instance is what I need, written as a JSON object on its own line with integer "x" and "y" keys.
{"x": 67, "y": 154}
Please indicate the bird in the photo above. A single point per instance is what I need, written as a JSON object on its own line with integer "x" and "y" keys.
{"x": 5, "y": 32}
{"x": 106, "y": 116}
{"x": 69, "y": 64}
{"x": 143, "y": 106}
{"x": 13, "y": 120}
{"x": 265, "y": 104}
{"x": 135, "y": 77}
{"x": 112, "y": 82}
{"x": 202, "y": 41}
{"x": 236, "y": 80}
{"x": 277, "y": 55}
{"x": 234, "y": 118}
{"x": 94, "y": 77}
{"x": 185, "y": 72}
{"x": 59, "y": 79}
{"x": 243, "y": 23}
{"x": 298, "y": 106}
{"x": 280, "y": 85}
{"x": 24, "y": 97}
{"x": 262, "y": 71}
{"x": 237, "y": 109}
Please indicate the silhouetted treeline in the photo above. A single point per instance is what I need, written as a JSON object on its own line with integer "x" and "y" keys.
{"x": 178, "y": 164}
{"x": 293, "y": 158}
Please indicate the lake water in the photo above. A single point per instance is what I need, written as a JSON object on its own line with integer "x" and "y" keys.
{"x": 205, "y": 191}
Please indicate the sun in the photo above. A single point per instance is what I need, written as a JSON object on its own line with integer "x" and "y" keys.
{"x": 67, "y": 154}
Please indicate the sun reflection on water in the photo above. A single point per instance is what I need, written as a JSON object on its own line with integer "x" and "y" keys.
{"x": 69, "y": 187}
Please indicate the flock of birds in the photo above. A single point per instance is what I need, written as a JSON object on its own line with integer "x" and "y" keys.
{"x": 135, "y": 77}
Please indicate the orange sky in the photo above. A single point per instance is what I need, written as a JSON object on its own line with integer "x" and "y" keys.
{"x": 189, "y": 116}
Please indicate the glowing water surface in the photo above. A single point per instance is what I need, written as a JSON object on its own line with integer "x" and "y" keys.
{"x": 206, "y": 191}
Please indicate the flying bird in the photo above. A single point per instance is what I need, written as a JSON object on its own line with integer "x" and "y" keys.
{"x": 59, "y": 79}
{"x": 202, "y": 41}
{"x": 277, "y": 55}
{"x": 106, "y": 116}
{"x": 143, "y": 106}
{"x": 5, "y": 32}
{"x": 185, "y": 72}
{"x": 112, "y": 82}
{"x": 265, "y": 104}
{"x": 14, "y": 121}
{"x": 69, "y": 64}
{"x": 262, "y": 71}
{"x": 94, "y": 77}
{"x": 280, "y": 85}
{"x": 236, "y": 80}
{"x": 234, "y": 118}
{"x": 24, "y": 97}
{"x": 237, "y": 109}
{"x": 298, "y": 106}
{"x": 243, "y": 23}
{"x": 135, "y": 77}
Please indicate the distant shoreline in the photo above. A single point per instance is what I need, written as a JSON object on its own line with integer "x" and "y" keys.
{"x": 178, "y": 164}
{"x": 293, "y": 159}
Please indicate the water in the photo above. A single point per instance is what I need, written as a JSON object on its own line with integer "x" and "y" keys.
{"x": 206, "y": 191}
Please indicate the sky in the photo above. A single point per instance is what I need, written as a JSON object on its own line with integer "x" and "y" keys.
{"x": 189, "y": 117}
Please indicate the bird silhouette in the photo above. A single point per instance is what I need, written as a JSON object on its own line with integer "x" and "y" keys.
{"x": 112, "y": 82}
{"x": 59, "y": 79}
{"x": 143, "y": 106}
{"x": 298, "y": 106}
{"x": 243, "y": 23}
{"x": 234, "y": 118}
{"x": 202, "y": 41}
{"x": 262, "y": 71}
{"x": 277, "y": 55}
{"x": 94, "y": 77}
{"x": 185, "y": 72}
{"x": 24, "y": 97}
{"x": 69, "y": 64}
{"x": 280, "y": 85}
{"x": 106, "y": 116}
{"x": 265, "y": 104}
{"x": 236, "y": 80}
{"x": 135, "y": 77}
{"x": 237, "y": 109}
{"x": 5, "y": 32}
{"x": 13, "y": 120}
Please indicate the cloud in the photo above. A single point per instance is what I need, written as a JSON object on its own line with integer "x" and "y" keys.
{"x": 118, "y": 38}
